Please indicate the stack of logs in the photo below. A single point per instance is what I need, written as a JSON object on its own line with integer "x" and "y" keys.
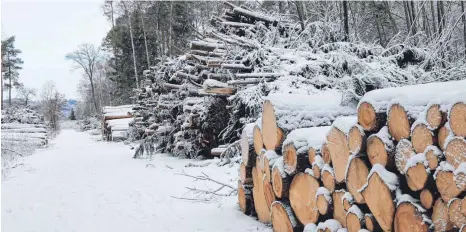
{"x": 400, "y": 164}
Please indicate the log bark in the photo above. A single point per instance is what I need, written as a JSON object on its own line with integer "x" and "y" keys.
{"x": 280, "y": 179}
{"x": 381, "y": 149}
{"x": 245, "y": 199}
{"x": 457, "y": 118}
{"x": 356, "y": 176}
{"x": 440, "y": 217}
{"x": 283, "y": 218}
{"x": 409, "y": 218}
{"x": 245, "y": 174}
{"x": 302, "y": 198}
{"x": 247, "y": 148}
{"x": 378, "y": 197}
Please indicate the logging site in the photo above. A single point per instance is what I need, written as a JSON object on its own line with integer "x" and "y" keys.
{"x": 284, "y": 116}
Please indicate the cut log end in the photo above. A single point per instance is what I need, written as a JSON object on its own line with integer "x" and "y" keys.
{"x": 302, "y": 198}
{"x": 269, "y": 126}
{"x": 356, "y": 140}
{"x": 440, "y": 217}
{"x": 280, "y": 185}
{"x": 416, "y": 177}
{"x": 442, "y": 136}
{"x": 379, "y": 199}
{"x": 311, "y": 154}
{"x": 434, "y": 116}
{"x": 421, "y": 138}
{"x": 353, "y": 222}
{"x": 282, "y": 218}
{"x": 258, "y": 144}
{"x": 356, "y": 177}
{"x": 339, "y": 212}
{"x": 446, "y": 185}
{"x": 371, "y": 223}
{"x": 328, "y": 180}
{"x": 268, "y": 194}
{"x": 323, "y": 205}
{"x": 398, "y": 122}
{"x": 458, "y": 119}
{"x": 408, "y": 218}
{"x": 376, "y": 151}
{"x": 457, "y": 218}
{"x": 289, "y": 158}
{"x": 326, "y": 154}
{"x": 339, "y": 152}
{"x": 245, "y": 200}
{"x": 455, "y": 151}
{"x": 432, "y": 160}
{"x": 367, "y": 117}
{"x": 427, "y": 198}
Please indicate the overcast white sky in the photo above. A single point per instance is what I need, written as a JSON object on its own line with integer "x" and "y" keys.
{"x": 46, "y": 31}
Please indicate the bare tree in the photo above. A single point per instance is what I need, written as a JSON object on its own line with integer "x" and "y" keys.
{"x": 52, "y": 103}
{"x": 26, "y": 94}
{"x": 87, "y": 57}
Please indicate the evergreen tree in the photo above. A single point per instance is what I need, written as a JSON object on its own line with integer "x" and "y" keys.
{"x": 72, "y": 116}
{"x": 11, "y": 64}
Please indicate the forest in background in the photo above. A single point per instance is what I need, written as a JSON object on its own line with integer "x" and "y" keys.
{"x": 145, "y": 33}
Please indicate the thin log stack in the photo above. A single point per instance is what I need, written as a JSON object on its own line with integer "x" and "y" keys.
{"x": 115, "y": 121}
{"x": 398, "y": 165}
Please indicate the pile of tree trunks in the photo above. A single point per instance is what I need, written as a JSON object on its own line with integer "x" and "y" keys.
{"x": 115, "y": 121}
{"x": 24, "y": 134}
{"x": 398, "y": 165}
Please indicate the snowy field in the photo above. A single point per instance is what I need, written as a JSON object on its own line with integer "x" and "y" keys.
{"x": 80, "y": 184}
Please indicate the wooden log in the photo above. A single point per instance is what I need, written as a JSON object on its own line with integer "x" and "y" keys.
{"x": 235, "y": 24}
{"x": 300, "y": 145}
{"x": 201, "y": 45}
{"x": 457, "y": 218}
{"x": 280, "y": 179}
{"x": 324, "y": 201}
{"x": 427, "y": 198}
{"x": 381, "y": 149}
{"x": 267, "y": 161}
{"x": 339, "y": 213}
{"x": 247, "y": 148}
{"x": 249, "y": 81}
{"x": 457, "y": 118}
{"x": 356, "y": 176}
{"x": 328, "y": 178}
{"x": 443, "y": 133}
{"x": 347, "y": 200}
{"x": 302, "y": 198}
{"x": 371, "y": 222}
{"x": 435, "y": 116}
{"x": 378, "y": 195}
{"x": 326, "y": 154}
{"x": 260, "y": 205}
{"x": 187, "y": 76}
{"x": 310, "y": 111}
{"x": 317, "y": 166}
{"x": 404, "y": 151}
{"x": 404, "y": 102}
{"x": 269, "y": 195}
{"x": 354, "y": 219}
{"x": 257, "y": 137}
{"x": 245, "y": 174}
{"x": 283, "y": 218}
{"x": 440, "y": 217}
{"x": 416, "y": 173}
{"x": 235, "y": 66}
{"x": 213, "y": 86}
{"x": 433, "y": 156}
{"x": 445, "y": 182}
{"x": 409, "y": 217}
{"x": 421, "y": 136}
{"x": 112, "y": 117}
{"x": 356, "y": 139}
{"x": 245, "y": 199}
{"x": 258, "y": 75}
{"x": 455, "y": 151}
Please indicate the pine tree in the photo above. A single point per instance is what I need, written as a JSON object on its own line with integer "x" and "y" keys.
{"x": 72, "y": 116}
{"x": 11, "y": 64}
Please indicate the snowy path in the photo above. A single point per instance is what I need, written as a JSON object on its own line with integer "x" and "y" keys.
{"x": 80, "y": 184}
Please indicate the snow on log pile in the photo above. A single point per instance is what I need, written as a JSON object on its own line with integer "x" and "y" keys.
{"x": 360, "y": 172}
{"x": 115, "y": 121}
{"x": 34, "y": 134}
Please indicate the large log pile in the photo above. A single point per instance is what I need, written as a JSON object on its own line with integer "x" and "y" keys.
{"x": 399, "y": 165}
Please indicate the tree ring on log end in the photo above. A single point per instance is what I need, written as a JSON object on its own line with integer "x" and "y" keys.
{"x": 277, "y": 183}
{"x": 322, "y": 204}
{"x": 269, "y": 126}
{"x": 353, "y": 223}
{"x": 280, "y": 218}
{"x": 442, "y": 137}
{"x": 355, "y": 140}
{"x": 432, "y": 160}
{"x": 455, "y": 151}
{"x": 367, "y": 117}
{"x": 356, "y": 177}
{"x": 416, "y": 177}
{"x": 398, "y": 122}
{"x": 290, "y": 158}
{"x": 454, "y": 213}
{"x": 408, "y": 219}
{"x": 427, "y": 199}
{"x": 458, "y": 119}
{"x": 258, "y": 143}
{"x": 302, "y": 198}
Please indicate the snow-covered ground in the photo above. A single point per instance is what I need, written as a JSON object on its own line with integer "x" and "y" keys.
{"x": 79, "y": 184}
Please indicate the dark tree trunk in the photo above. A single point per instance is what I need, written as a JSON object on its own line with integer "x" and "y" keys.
{"x": 345, "y": 19}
